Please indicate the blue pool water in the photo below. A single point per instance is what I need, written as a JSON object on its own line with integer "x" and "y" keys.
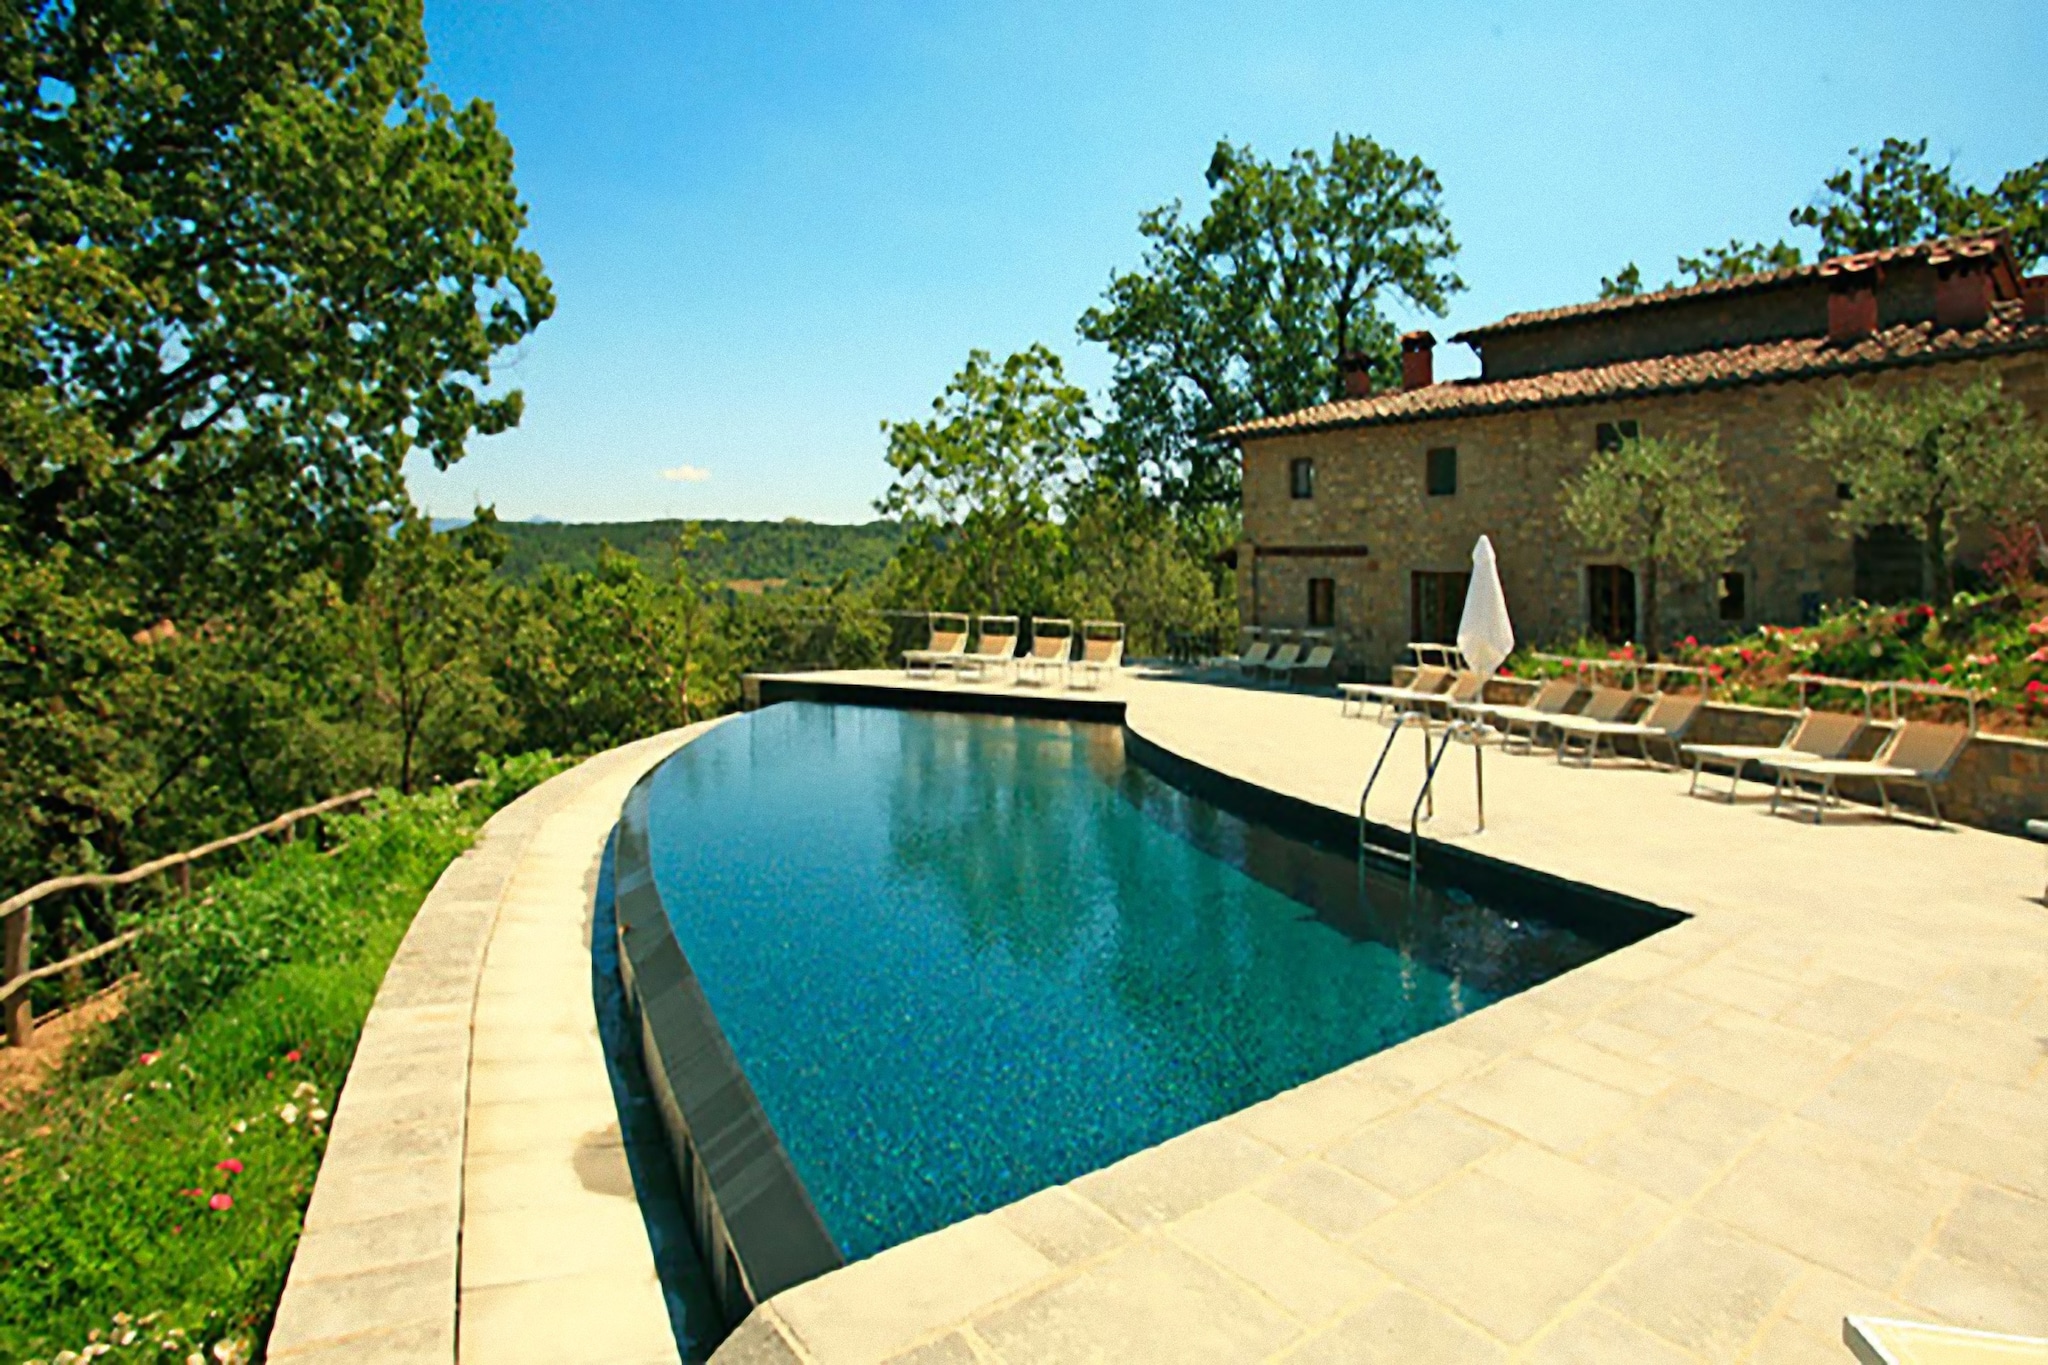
{"x": 961, "y": 958}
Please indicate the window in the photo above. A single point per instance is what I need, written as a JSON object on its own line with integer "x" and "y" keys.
{"x": 1733, "y": 598}
{"x": 1611, "y": 603}
{"x": 1435, "y": 602}
{"x": 1301, "y": 478}
{"x": 1322, "y": 601}
{"x": 1443, "y": 472}
{"x": 1610, "y": 435}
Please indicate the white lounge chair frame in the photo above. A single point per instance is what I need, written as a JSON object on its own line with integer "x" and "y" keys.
{"x": 1916, "y": 754}
{"x": 1433, "y": 677}
{"x": 1319, "y": 657}
{"x": 1666, "y": 721}
{"x": 935, "y": 655}
{"x": 1049, "y": 653}
{"x": 1821, "y": 734}
{"x": 975, "y": 664}
{"x": 1102, "y": 654}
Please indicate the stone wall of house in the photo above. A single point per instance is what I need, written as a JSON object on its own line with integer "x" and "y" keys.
{"x": 1370, "y": 491}
{"x": 2000, "y": 783}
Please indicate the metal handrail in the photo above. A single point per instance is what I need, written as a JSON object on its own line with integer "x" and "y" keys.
{"x": 1426, "y": 794}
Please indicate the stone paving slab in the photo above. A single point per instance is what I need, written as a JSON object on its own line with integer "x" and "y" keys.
{"x": 1824, "y": 1093}
{"x": 396, "y": 1262}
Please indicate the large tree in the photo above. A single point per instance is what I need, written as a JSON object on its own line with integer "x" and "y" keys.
{"x": 977, "y": 483}
{"x": 1928, "y": 458}
{"x": 1895, "y": 195}
{"x": 252, "y": 261}
{"x": 1246, "y": 312}
{"x": 1662, "y": 505}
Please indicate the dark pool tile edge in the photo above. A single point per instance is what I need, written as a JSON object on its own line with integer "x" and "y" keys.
{"x": 756, "y": 1226}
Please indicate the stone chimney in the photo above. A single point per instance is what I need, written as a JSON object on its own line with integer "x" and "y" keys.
{"x": 1962, "y": 293}
{"x": 1357, "y": 369}
{"x": 1852, "y": 298}
{"x": 1418, "y": 360}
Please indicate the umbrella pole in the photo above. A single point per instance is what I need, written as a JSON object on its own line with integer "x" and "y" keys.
{"x": 1479, "y": 778}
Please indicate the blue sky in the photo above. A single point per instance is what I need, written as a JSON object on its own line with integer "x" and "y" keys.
{"x": 770, "y": 227}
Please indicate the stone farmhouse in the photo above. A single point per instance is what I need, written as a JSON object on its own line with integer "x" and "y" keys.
{"x": 1360, "y": 515}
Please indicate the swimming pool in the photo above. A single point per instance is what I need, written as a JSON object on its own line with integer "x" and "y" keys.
{"x": 960, "y": 958}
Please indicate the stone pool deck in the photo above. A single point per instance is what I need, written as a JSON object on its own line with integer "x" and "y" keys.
{"x": 1824, "y": 1093}
{"x": 475, "y": 1201}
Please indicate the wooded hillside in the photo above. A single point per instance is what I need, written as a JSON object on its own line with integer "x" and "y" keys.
{"x": 799, "y": 551}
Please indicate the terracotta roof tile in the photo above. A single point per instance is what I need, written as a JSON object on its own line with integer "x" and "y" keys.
{"x": 1988, "y": 244}
{"x": 1753, "y": 363}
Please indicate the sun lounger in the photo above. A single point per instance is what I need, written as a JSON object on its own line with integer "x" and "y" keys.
{"x": 1318, "y": 660}
{"x": 1283, "y": 659}
{"x": 1667, "y": 720}
{"x": 1605, "y": 706}
{"x": 1550, "y": 701}
{"x": 944, "y": 650}
{"x": 1819, "y": 734}
{"x": 997, "y": 649}
{"x": 1102, "y": 653}
{"x": 1916, "y": 754}
{"x": 1046, "y": 660}
{"x": 1429, "y": 680}
{"x": 1254, "y": 658}
{"x": 1465, "y": 689}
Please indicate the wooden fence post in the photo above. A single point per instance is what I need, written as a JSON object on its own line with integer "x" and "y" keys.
{"x": 21, "y": 1019}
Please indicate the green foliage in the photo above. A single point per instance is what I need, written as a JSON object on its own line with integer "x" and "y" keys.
{"x": 1927, "y": 458}
{"x": 1624, "y": 283}
{"x": 1895, "y": 196}
{"x": 1662, "y": 505}
{"x": 234, "y": 1048}
{"x": 1738, "y": 258}
{"x": 795, "y": 551}
{"x": 1246, "y": 313}
{"x": 297, "y": 260}
{"x": 976, "y": 484}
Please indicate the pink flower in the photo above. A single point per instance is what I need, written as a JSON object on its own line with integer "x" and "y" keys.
{"x": 292, "y": 1056}
{"x": 192, "y": 1194}
{"x": 2039, "y": 656}
{"x": 2039, "y": 627}
{"x": 1692, "y": 642}
{"x": 233, "y": 1165}
{"x": 150, "y": 1058}
{"x": 221, "y": 1203}
{"x": 1946, "y": 668}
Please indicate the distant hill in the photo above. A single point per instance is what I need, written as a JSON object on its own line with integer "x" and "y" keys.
{"x": 751, "y": 553}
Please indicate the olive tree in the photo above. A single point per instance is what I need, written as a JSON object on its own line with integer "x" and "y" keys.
{"x": 1662, "y": 505}
{"x": 1928, "y": 458}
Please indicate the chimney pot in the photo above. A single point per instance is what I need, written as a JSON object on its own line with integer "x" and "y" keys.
{"x": 1418, "y": 360}
{"x": 1962, "y": 293}
{"x": 1357, "y": 368}
{"x": 2034, "y": 296}
{"x": 1852, "y": 302}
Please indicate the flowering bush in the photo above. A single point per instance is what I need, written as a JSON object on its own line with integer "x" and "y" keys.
{"x": 1995, "y": 643}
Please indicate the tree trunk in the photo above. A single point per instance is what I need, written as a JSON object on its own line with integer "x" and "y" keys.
{"x": 1650, "y": 609}
{"x": 1935, "y": 578}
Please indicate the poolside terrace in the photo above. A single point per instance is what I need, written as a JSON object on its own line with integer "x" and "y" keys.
{"x": 1825, "y": 1092}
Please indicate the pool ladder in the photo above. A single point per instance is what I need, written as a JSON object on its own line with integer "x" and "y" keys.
{"x": 1426, "y": 794}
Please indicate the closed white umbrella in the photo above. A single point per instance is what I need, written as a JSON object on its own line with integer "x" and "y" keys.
{"x": 1485, "y": 635}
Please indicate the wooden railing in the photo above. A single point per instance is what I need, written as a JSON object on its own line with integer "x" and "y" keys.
{"x": 17, "y": 911}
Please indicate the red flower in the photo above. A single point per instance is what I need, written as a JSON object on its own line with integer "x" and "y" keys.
{"x": 1926, "y": 611}
{"x": 1748, "y": 656}
{"x": 233, "y": 1165}
{"x": 221, "y": 1203}
{"x": 1692, "y": 642}
{"x": 292, "y": 1056}
{"x": 150, "y": 1058}
{"x": 192, "y": 1194}
{"x": 2039, "y": 656}
{"x": 1946, "y": 668}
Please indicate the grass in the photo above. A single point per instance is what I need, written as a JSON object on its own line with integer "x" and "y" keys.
{"x": 155, "y": 1189}
{"x": 1995, "y": 643}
